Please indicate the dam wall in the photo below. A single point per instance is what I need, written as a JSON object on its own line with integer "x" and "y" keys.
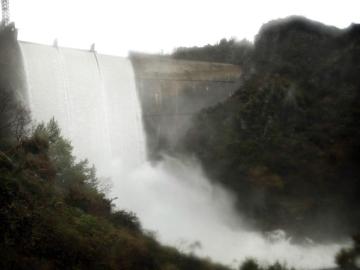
{"x": 173, "y": 91}
{"x": 86, "y": 85}
{"x": 93, "y": 97}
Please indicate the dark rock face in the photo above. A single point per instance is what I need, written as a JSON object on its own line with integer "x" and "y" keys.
{"x": 12, "y": 75}
{"x": 13, "y": 95}
{"x": 287, "y": 141}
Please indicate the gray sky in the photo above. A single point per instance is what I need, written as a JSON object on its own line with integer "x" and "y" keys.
{"x": 117, "y": 26}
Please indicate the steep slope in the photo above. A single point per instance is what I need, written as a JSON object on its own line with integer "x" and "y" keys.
{"x": 53, "y": 215}
{"x": 287, "y": 142}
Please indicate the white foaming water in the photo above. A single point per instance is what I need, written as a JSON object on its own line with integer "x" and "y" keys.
{"x": 175, "y": 200}
{"x": 94, "y": 100}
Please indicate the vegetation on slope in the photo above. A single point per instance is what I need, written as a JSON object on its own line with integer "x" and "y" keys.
{"x": 349, "y": 258}
{"x": 226, "y": 51}
{"x": 287, "y": 143}
{"x": 53, "y": 215}
{"x": 252, "y": 264}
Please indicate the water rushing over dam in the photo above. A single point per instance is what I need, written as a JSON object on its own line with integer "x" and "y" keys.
{"x": 94, "y": 99}
{"x": 86, "y": 90}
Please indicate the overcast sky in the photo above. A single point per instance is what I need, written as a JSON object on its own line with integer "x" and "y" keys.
{"x": 117, "y": 26}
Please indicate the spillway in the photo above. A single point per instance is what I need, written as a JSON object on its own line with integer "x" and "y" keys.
{"x": 94, "y": 99}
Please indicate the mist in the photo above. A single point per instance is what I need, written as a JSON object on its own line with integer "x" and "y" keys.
{"x": 176, "y": 202}
{"x": 172, "y": 198}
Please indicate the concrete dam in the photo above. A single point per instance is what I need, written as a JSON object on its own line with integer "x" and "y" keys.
{"x": 88, "y": 91}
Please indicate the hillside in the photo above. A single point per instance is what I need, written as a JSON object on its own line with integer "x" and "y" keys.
{"x": 287, "y": 142}
{"x": 53, "y": 214}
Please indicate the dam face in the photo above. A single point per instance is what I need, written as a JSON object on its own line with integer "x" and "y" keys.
{"x": 173, "y": 91}
{"x": 86, "y": 90}
{"x": 93, "y": 98}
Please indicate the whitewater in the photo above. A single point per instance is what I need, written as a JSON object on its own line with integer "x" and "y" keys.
{"x": 94, "y": 99}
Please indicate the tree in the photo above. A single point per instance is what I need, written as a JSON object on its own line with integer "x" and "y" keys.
{"x": 14, "y": 118}
{"x": 349, "y": 259}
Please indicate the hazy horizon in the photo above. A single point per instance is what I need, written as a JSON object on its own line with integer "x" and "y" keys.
{"x": 161, "y": 26}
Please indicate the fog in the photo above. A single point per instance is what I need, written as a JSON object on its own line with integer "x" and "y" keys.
{"x": 175, "y": 200}
{"x": 172, "y": 198}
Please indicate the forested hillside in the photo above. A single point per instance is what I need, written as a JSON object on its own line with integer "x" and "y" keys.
{"x": 53, "y": 214}
{"x": 226, "y": 51}
{"x": 287, "y": 142}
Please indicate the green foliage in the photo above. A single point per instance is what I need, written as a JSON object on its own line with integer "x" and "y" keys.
{"x": 252, "y": 264}
{"x": 53, "y": 216}
{"x": 349, "y": 258}
{"x": 226, "y": 51}
{"x": 287, "y": 142}
{"x": 13, "y": 118}
{"x": 125, "y": 219}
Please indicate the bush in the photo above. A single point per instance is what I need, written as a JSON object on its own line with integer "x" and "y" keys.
{"x": 349, "y": 258}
